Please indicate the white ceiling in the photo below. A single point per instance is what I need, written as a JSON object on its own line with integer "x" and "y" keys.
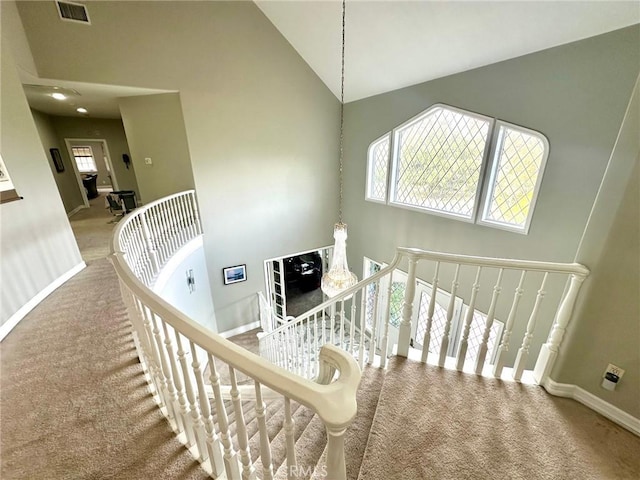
{"x": 393, "y": 44}
{"x": 101, "y": 101}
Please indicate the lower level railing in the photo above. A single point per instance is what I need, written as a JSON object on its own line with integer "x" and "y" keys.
{"x": 393, "y": 308}
{"x": 194, "y": 374}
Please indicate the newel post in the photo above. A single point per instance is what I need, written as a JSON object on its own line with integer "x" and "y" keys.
{"x": 549, "y": 351}
{"x": 404, "y": 335}
{"x": 336, "y": 466}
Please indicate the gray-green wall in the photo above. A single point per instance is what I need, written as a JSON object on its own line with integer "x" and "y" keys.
{"x": 66, "y": 181}
{"x": 155, "y": 129}
{"x": 36, "y": 242}
{"x": 606, "y": 323}
{"x": 575, "y": 94}
{"x": 108, "y": 129}
{"x": 261, "y": 127}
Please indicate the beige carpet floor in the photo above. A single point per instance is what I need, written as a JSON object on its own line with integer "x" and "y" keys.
{"x": 433, "y": 423}
{"x": 92, "y": 228}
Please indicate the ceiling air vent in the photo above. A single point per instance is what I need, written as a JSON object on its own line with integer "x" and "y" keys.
{"x": 73, "y": 12}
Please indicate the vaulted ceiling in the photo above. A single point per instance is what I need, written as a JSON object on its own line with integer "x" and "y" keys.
{"x": 392, "y": 44}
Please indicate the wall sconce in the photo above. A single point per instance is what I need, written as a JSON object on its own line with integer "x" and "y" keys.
{"x": 191, "y": 281}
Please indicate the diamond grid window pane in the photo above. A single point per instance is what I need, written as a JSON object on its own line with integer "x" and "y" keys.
{"x": 397, "y": 298}
{"x": 437, "y": 325}
{"x": 517, "y": 167}
{"x": 475, "y": 336}
{"x": 378, "y": 169}
{"x": 439, "y": 161}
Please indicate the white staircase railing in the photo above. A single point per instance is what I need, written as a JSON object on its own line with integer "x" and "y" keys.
{"x": 358, "y": 320}
{"x": 184, "y": 363}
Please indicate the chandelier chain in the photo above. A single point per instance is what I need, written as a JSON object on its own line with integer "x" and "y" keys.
{"x": 344, "y": 5}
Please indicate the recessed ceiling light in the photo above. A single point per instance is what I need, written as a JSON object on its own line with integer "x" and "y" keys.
{"x": 59, "y": 96}
{"x": 82, "y": 110}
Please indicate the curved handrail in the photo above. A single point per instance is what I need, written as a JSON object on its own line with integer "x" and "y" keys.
{"x": 321, "y": 398}
{"x": 331, "y": 396}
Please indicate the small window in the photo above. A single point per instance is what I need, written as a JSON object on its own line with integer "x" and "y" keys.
{"x": 519, "y": 161}
{"x": 378, "y": 159}
{"x": 459, "y": 164}
{"x": 84, "y": 159}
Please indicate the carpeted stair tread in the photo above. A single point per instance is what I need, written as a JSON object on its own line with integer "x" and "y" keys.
{"x": 450, "y": 425}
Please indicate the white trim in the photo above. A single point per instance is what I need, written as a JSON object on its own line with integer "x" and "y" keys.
{"x": 243, "y": 329}
{"x": 370, "y": 164}
{"x": 76, "y": 210}
{"x": 14, "y": 319}
{"x": 595, "y": 403}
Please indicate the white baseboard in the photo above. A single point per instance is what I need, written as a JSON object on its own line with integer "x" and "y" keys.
{"x": 76, "y": 210}
{"x": 237, "y": 331}
{"x": 605, "y": 409}
{"x": 14, "y": 319}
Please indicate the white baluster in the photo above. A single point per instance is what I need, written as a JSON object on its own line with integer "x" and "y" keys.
{"x": 157, "y": 375}
{"x": 550, "y": 349}
{"x": 404, "y": 335}
{"x": 363, "y": 325}
{"x": 315, "y": 344}
{"x": 196, "y": 213}
{"x": 342, "y": 320}
{"x": 503, "y": 350}
{"x": 290, "y": 440}
{"x": 333, "y": 323}
{"x": 352, "y": 330}
{"x": 307, "y": 347}
{"x": 231, "y": 464}
{"x": 212, "y": 451}
{"x": 444, "y": 347}
{"x": 248, "y": 471}
{"x": 181, "y": 402}
{"x": 195, "y": 432}
{"x": 387, "y": 319}
{"x": 483, "y": 348}
{"x": 151, "y": 249}
{"x": 374, "y": 324}
{"x": 172, "y": 397}
{"x": 523, "y": 352}
{"x": 432, "y": 305}
{"x": 464, "y": 341}
{"x": 265, "y": 447}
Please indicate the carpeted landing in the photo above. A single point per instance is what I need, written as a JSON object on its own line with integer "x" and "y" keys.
{"x": 432, "y": 423}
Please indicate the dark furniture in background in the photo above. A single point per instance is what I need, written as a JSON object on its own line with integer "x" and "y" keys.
{"x": 127, "y": 199}
{"x": 90, "y": 182}
{"x": 303, "y": 271}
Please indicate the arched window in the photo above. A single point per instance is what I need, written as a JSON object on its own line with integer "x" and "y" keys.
{"x": 448, "y": 161}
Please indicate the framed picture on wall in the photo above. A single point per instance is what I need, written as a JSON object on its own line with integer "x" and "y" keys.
{"x": 234, "y": 274}
{"x": 57, "y": 159}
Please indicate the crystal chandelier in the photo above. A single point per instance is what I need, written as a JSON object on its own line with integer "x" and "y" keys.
{"x": 339, "y": 278}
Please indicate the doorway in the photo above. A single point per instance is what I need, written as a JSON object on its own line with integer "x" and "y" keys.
{"x": 92, "y": 165}
{"x": 293, "y": 281}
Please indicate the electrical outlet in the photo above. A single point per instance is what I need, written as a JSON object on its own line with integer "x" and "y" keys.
{"x": 611, "y": 377}
{"x": 617, "y": 371}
